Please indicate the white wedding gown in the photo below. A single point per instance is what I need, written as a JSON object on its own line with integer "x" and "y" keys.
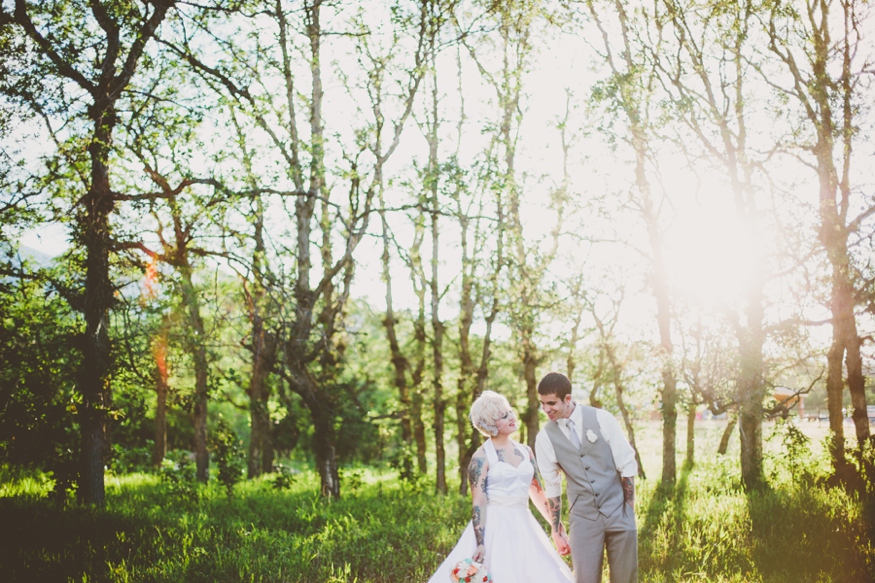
{"x": 517, "y": 548}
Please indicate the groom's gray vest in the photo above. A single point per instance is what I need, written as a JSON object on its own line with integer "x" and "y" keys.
{"x": 592, "y": 481}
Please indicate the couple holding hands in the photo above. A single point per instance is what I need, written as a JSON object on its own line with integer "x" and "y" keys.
{"x": 587, "y": 446}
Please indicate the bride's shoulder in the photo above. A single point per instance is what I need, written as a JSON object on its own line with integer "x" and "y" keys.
{"x": 480, "y": 455}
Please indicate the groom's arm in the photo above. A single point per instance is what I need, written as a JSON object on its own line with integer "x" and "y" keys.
{"x": 623, "y": 453}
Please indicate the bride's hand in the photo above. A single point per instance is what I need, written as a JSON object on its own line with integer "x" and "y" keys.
{"x": 479, "y": 554}
{"x": 561, "y": 541}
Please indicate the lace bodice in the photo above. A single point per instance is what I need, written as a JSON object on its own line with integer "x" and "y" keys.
{"x": 505, "y": 483}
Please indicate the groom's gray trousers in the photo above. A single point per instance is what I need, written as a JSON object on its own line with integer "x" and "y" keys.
{"x": 589, "y": 539}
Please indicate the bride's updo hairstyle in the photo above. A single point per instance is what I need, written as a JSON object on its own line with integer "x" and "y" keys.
{"x": 486, "y": 410}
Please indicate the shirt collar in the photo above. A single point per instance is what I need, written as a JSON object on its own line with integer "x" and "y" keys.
{"x": 575, "y": 416}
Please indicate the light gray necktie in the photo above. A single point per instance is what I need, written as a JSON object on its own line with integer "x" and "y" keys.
{"x": 572, "y": 433}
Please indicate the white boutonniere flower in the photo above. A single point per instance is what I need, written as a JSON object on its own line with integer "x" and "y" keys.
{"x": 591, "y": 436}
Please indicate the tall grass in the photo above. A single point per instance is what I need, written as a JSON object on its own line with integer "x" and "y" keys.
{"x": 704, "y": 529}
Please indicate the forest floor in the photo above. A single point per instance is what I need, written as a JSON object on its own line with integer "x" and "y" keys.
{"x": 385, "y": 530}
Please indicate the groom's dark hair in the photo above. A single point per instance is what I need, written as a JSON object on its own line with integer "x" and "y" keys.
{"x": 555, "y": 383}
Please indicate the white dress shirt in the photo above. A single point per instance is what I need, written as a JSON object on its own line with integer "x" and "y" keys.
{"x": 551, "y": 474}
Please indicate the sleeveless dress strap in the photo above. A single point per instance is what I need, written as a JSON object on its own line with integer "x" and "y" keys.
{"x": 491, "y": 456}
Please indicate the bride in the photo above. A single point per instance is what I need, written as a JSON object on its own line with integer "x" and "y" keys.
{"x": 503, "y": 534}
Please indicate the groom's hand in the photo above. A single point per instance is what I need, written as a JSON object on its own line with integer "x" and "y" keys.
{"x": 561, "y": 541}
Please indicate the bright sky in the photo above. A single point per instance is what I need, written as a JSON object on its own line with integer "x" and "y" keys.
{"x": 708, "y": 252}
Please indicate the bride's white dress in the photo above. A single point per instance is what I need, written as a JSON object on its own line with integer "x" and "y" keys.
{"x": 517, "y": 548}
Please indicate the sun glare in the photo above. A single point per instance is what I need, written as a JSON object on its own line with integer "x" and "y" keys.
{"x": 710, "y": 257}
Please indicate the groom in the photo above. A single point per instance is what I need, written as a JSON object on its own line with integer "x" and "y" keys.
{"x": 587, "y": 445}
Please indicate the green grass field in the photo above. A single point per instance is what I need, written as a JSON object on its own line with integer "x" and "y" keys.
{"x": 706, "y": 529}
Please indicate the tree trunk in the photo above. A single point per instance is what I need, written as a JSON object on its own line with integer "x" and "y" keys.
{"x": 323, "y": 448}
{"x": 260, "y": 459}
{"x": 691, "y": 435}
{"x": 419, "y": 432}
{"x": 752, "y": 393}
{"x": 464, "y": 392}
{"x": 727, "y": 433}
{"x": 195, "y": 339}
{"x": 160, "y": 448}
{"x": 418, "y": 400}
{"x": 94, "y": 376}
{"x": 846, "y": 342}
{"x": 97, "y": 359}
{"x": 834, "y": 390}
{"x": 438, "y": 363}
{"x": 530, "y": 417}
{"x": 400, "y": 363}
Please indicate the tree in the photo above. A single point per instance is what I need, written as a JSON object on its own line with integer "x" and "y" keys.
{"x": 802, "y": 41}
{"x": 85, "y": 72}
{"x": 527, "y": 265}
{"x": 706, "y": 75}
{"x": 323, "y": 217}
{"x": 630, "y": 89}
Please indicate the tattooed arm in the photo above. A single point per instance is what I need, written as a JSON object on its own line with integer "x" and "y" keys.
{"x": 477, "y": 480}
{"x": 557, "y": 530}
{"x": 543, "y": 504}
{"x": 536, "y": 491}
{"x": 550, "y": 479}
{"x": 628, "y": 491}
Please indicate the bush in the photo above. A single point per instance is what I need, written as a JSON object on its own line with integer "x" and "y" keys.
{"x": 229, "y": 456}
{"x": 129, "y": 460}
{"x": 178, "y": 473}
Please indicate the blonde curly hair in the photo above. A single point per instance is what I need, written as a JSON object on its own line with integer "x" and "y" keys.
{"x": 486, "y": 410}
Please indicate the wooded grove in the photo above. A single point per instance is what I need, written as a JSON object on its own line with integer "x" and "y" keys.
{"x": 245, "y": 232}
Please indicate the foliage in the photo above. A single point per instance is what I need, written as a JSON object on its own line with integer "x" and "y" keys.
{"x": 38, "y": 334}
{"x": 283, "y": 477}
{"x": 229, "y": 458}
{"x": 706, "y": 529}
{"x": 177, "y": 472}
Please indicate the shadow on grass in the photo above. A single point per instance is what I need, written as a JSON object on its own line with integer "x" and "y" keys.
{"x": 144, "y": 522}
{"x": 657, "y": 538}
{"x": 150, "y": 533}
{"x": 44, "y": 543}
{"x": 811, "y": 532}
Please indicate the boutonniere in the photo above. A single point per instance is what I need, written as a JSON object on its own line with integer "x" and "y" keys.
{"x": 591, "y": 436}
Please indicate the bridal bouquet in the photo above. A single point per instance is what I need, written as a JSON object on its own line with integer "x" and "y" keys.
{"x": 467, "y": 571}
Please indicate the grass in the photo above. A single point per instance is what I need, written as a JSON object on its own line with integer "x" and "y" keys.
{"x": 704, "y": 529}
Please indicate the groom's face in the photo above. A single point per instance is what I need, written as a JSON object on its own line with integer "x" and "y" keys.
{"x": 554, "y": 407}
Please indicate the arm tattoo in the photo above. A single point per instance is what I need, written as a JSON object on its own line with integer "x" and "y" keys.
{"x": 536, "y": 477}
{"x": 476, "y": 521}
{"x": 629, "y": 491}
{"x": 554, "y": 506}
{"x": 478, "y": 484}
{"x": 475, "y": 470}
